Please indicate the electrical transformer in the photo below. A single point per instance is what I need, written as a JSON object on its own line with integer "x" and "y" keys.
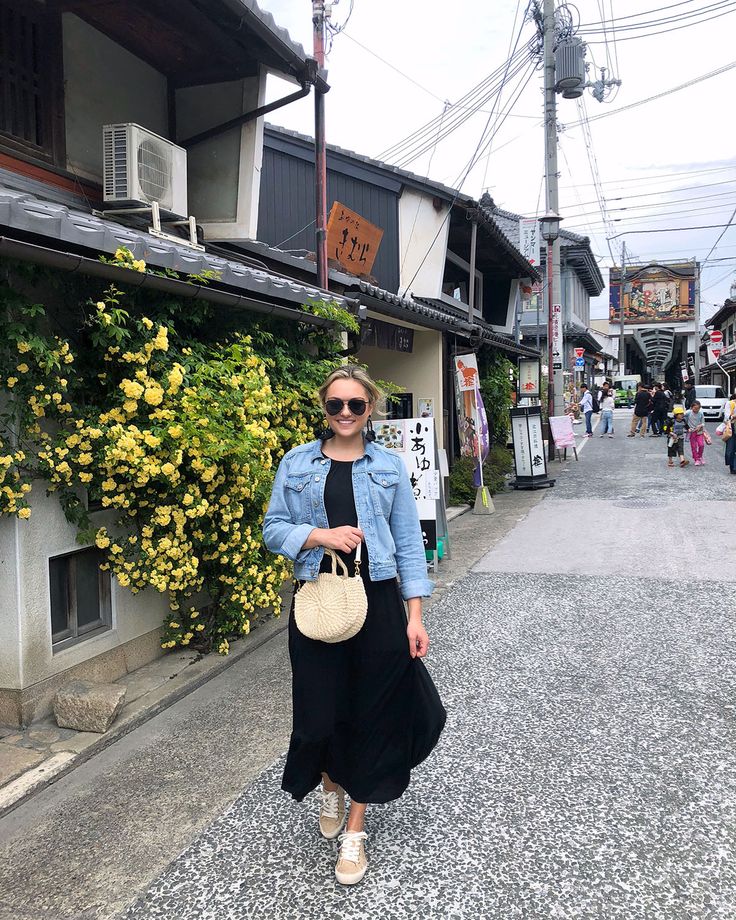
{"x": 570, "y": 67}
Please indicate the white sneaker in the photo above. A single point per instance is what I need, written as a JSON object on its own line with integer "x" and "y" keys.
{"x": 332, "y": 813}
{"x": 352, "y": 862}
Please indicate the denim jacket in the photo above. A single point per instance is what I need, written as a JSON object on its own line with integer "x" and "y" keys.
{"x": 387, "y": 515}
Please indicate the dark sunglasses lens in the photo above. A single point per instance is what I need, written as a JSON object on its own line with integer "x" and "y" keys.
{"x": 333, "y": 406}
{"x": 357, "y": 406}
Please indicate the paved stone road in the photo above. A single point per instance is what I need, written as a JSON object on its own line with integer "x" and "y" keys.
{"x": 588, "y": 769}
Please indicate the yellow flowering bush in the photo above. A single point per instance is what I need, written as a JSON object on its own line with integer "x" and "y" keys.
{"x": 176, "y": 435}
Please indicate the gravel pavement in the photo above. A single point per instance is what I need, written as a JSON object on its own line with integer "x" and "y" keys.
{"x": 588, "y": 768}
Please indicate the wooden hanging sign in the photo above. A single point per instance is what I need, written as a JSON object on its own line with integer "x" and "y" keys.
{"x": 352, "y": 240}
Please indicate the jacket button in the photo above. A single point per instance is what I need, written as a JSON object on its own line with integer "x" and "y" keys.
{"x": 323, "y": 462}
{"x": 383, "y": 482}
{"x": 316, "y": 478}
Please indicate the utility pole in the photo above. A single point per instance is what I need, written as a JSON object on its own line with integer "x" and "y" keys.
{"x": 621, "y": 340}
{"x": 319, "y": 13}
{"x": 556, "y": 378}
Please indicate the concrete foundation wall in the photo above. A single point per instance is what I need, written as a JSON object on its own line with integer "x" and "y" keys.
{"x": 27, "y": 656}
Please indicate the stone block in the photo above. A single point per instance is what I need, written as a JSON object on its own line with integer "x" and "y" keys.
{"x": 87, "y": 706}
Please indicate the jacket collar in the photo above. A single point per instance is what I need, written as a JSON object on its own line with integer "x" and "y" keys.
{"x": 315, "y": 452}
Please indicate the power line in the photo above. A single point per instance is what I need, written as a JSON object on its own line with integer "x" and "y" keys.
{"x": 687, "y": 25}
{"x": 680, "y": 229}
{"x": 683, "y": 16}
{"x": 722, "y": 234}
{"x": 675, "y": 89}
{"x": 656, "y": 177}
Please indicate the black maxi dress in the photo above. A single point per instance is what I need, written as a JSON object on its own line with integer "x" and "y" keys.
{"x": 365, "y": 711}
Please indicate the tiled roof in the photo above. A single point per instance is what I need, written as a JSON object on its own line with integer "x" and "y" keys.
{"x": 722, "y": 313}
{"x": 29, "y": 214}
{"x": 580, "y": 254}
{"x": 405, "y": 175}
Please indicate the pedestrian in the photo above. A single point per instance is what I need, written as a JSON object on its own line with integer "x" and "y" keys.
{"x": 674, "y": 428}
{"x": 641, "y": 411}
{"x": 607, "y": 403}
{"x": 365, "y": 711}
{"x": 689, "y": 395}
{"x": 586, "y": 407}
{"x": 695, "y": 427}
{"x": 729, "y": 424}
{"x": 659, "y": 410}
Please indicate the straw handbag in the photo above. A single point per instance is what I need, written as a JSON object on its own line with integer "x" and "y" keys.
{"x": 333, "y": 607}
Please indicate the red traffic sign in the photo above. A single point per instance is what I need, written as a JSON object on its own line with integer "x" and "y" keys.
{"x": 579, "y": 352}
{"x": 716, "y": 336}
{"x": 716, "y": 352}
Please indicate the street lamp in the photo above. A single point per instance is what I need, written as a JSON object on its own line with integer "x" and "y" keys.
{"x": 550, "y": 228}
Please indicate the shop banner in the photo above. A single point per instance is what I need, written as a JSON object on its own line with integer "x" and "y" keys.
{"x": 529, "y": 239}
{"x": 413, "y": 439}
{"x": 529, "y": 378}
{"x": 472, "y": 420}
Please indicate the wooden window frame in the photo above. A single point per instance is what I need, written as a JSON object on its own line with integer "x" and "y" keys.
{"x": 52, "y": 89}
{"x": 73, "y": 633}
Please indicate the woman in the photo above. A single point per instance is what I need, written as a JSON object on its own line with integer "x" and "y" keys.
{"x": 729, "y": 414}
{"x": 365, "y": 711}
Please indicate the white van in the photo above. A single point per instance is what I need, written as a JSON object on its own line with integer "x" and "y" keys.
{"x": 711, "y": 401}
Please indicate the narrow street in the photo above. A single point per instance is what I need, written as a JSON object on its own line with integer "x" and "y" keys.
{"x": 588, "y": 768}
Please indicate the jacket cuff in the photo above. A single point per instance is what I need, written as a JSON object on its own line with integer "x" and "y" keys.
{"x": 298, "y": 534}
{"x": 417, "y": 587}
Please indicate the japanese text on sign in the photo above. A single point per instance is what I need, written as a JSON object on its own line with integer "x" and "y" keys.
{"x": 352, "y": 240}
{"x": 529, "y": 239}
{"x": 556, "y": 336}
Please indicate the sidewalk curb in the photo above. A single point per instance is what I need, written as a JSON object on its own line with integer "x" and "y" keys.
{"x": 21, "y": 789}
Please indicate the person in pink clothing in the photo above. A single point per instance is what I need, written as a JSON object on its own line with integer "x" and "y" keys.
{"x": 695, "y": 428}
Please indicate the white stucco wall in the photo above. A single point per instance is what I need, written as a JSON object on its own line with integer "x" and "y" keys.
{"x": 419, "y": 223}
{"x": 26, "y": 653}
{"x": 419, "y": 373}
{"x": 105, "y": 84}
{"x": 225, "y": 171}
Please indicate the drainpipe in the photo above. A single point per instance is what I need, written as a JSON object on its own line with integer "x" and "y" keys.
{"x": 245, "y": 117}
{"x": 320, "y": 146}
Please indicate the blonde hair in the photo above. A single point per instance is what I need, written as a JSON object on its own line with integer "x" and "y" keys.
{"x": 351, "y": 372}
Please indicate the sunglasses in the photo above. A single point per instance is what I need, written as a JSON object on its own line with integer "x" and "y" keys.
{"x": 356, "y": 406}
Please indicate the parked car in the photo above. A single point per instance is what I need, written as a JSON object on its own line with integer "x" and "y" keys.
{"x": 711, "y": 401}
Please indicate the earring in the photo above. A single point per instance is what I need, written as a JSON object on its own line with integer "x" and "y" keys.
{"x": 324, "y": 434}
{"x": 370, "y": 434}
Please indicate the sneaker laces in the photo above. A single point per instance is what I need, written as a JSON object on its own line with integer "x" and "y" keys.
{"x": 330, "y": 804}
{"x": 350, "y": 842}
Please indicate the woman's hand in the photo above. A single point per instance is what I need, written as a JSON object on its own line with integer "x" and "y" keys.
{"x": 418, "y": 639}
{"x": 343, "y": 538}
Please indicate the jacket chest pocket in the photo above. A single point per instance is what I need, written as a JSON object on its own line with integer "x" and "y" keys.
{"x": 297, "y": 492}
{"x": 383, "y": 489}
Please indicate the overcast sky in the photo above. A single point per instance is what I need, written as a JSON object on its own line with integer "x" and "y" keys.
{"x": 669, "y": 162}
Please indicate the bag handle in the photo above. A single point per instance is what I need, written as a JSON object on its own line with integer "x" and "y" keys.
{"x": 337, "y": 561}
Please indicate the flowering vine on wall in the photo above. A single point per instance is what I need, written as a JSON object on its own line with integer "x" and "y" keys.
{"x": 176, "y": 434}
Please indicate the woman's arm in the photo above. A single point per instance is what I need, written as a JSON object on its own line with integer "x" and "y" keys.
{"x": 415, "y": 631}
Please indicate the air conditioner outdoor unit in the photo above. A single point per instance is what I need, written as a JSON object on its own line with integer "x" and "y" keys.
{"x": 141, "y": 168}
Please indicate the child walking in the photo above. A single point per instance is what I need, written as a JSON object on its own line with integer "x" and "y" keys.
{"x": 607, "y": 405}
{"x": 695, "y": 426}
{"x": 674, "y": 428}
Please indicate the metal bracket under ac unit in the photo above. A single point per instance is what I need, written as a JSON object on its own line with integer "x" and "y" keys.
{"x": 157, "y": 224}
